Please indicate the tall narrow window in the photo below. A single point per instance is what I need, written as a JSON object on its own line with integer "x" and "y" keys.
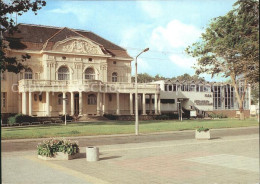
{"x": 114, "y": 77}
{"x": 90, "y": 74}
{"x": 63, "y": 73}
{"x": 92, "y": 99}
{"x": 28, "y": 74}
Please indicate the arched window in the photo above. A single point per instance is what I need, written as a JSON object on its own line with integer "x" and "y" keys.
{"x": 90, "y": 73}
{"x": 92, "y": 99}
{"x": 114, "y": 77}
{"x": 63, "y": 73}
{"x": 28, "y": 73}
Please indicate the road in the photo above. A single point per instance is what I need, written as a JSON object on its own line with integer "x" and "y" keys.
{"x": 31, "y": 144}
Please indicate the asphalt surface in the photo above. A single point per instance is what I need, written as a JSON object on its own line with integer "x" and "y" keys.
{"x": 26, "y": 145}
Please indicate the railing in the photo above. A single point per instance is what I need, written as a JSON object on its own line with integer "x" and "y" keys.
{"x": 30, "y": 83}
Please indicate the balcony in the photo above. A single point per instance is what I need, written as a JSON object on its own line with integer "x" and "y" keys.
{"x": 85, "y": 85}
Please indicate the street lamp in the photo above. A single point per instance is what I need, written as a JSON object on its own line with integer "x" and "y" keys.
{"x": 65, "y": 99}
{"x": 136, "y": 94}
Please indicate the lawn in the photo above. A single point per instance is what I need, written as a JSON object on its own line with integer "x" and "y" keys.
{"x": 118, "y": 127}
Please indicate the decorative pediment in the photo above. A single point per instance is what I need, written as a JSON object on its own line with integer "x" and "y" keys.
{"x": 77, "y": 45}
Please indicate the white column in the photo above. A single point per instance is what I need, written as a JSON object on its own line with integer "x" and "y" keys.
{"x": 159, "y": 104}
{"x": 150, "y": 104}
{"x": 98, "y": 104}
{"x": 72, "y": 104}
{"x": 155, "y": 104}
{"x": 104, "y": 104}
{"x": 30, "y": 103}
{"x": 144, "y": 108}
{"x": 19, "y": 103}
{"x": 24, "y": 103}
{"x": 117, "y": 104}
{"x": 80, "y": 103}
{"x": 47, "y": 103}
{"x": 131, "y": 104}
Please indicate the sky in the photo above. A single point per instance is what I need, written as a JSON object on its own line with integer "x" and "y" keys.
{"x": 166, "y": 27}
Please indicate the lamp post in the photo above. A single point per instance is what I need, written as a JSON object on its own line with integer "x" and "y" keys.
{"x": 65, "y": 99}
{"x": 136, "y": 94}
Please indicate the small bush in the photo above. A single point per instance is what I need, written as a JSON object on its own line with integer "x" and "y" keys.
{"x": 50, "y": 147}
{"x": 162, "y": 117}
{"x": 11, "y": 120}
{"x": 213, "y": 115}
{"x": 200, "y": 129}
{"x": 68, "y": 117}
{"x": 20, "y": 118}
{"x": 110, "y": 116}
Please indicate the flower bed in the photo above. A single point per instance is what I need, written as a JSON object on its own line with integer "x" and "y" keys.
{"x": 56, "y": 149}
{"x": 202, "y": 133}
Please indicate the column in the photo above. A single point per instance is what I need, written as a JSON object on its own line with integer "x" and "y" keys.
{"x": 63, "y": 103}
{"x": 131, "y": 104}
{"x": 155, "y": 104}
{"x": 30, "y": 103}
{"x": 80, "y": 103}
{"x": 72, "y": 105}
{"x": 159, "y": 104}
{"x": 144, "y": 108}
{"x": 19, "y": 103}
{"x": 98, "y": 104}
{"x": 117, "y": 104}
{"x": 24, "y": 103}
{"x": 47, "y": 103}
{"x": 150, "y": 104}
{"x": 104, "y": 104}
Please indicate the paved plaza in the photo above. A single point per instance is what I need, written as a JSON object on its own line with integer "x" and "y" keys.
{"x": 227, "y": 159}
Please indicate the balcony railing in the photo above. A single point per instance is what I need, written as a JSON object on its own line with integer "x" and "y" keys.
{"x": 30, "y": 83}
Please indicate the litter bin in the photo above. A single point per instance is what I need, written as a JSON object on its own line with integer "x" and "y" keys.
{"x": 92, "y": 154}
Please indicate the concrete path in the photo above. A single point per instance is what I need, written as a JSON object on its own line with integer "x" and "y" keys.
{"x": 225, "y": 159}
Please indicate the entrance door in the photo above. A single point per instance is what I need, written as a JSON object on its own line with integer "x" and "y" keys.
{"x": 76, "y": 104}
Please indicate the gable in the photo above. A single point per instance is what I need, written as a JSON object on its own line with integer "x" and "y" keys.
{"x": 77, "y": 45}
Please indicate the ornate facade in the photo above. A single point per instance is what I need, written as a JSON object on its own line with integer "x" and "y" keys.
{"x": 70, "y": 71}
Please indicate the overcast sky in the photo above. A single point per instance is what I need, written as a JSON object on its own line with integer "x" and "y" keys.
{"x": 166, "y": 27}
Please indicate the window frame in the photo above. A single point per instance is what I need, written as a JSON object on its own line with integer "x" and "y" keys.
{"x": 63, "y": 75}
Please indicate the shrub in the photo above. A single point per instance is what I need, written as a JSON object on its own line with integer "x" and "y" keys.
{"x": 11, "y": 120}
{"x": 200, "y": 129}
{"x": 213, "y": 115}
{"x": 110, "y": 116}
{"x": 50, "y": 147}
{"x": 162, "y": 117}
{"x": 20, "y": 118}
{"x": 68, "y": 117}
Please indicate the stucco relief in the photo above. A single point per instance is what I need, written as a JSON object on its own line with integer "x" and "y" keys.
{"x": 80, "y": 46}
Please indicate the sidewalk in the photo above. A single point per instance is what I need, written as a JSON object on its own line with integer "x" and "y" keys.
{"x": 227, "y": 159}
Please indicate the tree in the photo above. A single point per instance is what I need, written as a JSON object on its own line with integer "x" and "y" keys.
{"x": 229, "y": 47}
{"x": 8, "y": 26}
{"x": 143, "y": 78}
{"x": 187, "y": 77}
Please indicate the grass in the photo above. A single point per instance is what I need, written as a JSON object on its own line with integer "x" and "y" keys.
{"x": 118, "y": 127}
